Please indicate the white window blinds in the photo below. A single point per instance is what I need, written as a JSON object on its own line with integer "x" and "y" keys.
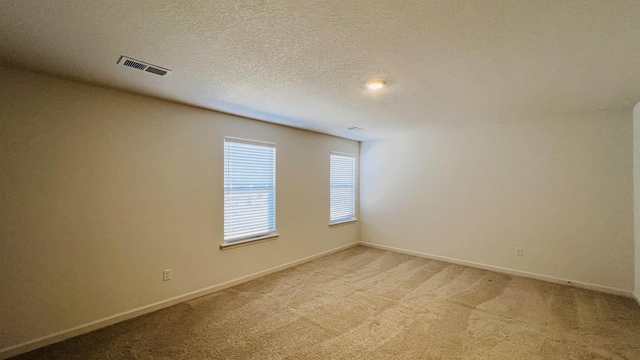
{"x": 249, "y": 189}
{"x": 343, "y": 192}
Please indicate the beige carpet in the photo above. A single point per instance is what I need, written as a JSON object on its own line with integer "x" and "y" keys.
{"x": 364, "y": 303}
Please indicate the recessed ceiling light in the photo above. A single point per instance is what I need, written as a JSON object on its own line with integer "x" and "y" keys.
{"x": 376, "y": 84}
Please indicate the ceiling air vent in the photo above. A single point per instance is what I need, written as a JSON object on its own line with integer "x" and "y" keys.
{"x": 143, "y": 66}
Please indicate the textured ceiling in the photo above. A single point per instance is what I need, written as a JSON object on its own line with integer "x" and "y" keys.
{"x": 304, "y": 63}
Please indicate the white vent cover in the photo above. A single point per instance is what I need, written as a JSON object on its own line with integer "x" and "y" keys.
{"x": 136, "y": 64}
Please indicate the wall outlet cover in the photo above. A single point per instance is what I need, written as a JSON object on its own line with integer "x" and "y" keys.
{"x": 166, "y": 274}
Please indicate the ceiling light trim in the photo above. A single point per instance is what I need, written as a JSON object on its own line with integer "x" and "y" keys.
{"x": 376, "y": 84}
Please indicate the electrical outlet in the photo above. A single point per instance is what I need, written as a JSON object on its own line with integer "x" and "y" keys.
{"x": 518, "y": 251}
{"x": 166, "y": 274}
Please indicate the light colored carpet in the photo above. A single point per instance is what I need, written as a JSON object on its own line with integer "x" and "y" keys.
{"x": 364, "y": 303}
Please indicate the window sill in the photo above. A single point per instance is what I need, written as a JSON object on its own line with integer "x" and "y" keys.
{"x": 241, "y": 243}
{"x": 342, "y": 222}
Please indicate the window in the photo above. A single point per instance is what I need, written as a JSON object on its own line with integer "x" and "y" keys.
{"x": 249, "y": 190}
{"x": 343, "y": 188}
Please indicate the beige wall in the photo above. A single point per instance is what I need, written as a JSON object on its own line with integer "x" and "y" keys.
{"x": 562, "y": 189}
{"x": 636, "y": 196}
{"x": 101, "y": 190}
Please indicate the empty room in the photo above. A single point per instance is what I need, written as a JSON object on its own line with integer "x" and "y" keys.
{"x": 273, "y": 179}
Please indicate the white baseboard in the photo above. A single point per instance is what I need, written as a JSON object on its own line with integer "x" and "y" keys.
{"x": 556, "y": 280}
{"x": 104, "y": 322}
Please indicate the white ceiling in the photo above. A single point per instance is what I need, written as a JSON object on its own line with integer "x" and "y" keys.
{"x": 304, "y": 63}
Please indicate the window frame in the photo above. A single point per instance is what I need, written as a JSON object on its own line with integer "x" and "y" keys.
{"x": 351, "y": 217}
{"x": 234, "y": 240}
